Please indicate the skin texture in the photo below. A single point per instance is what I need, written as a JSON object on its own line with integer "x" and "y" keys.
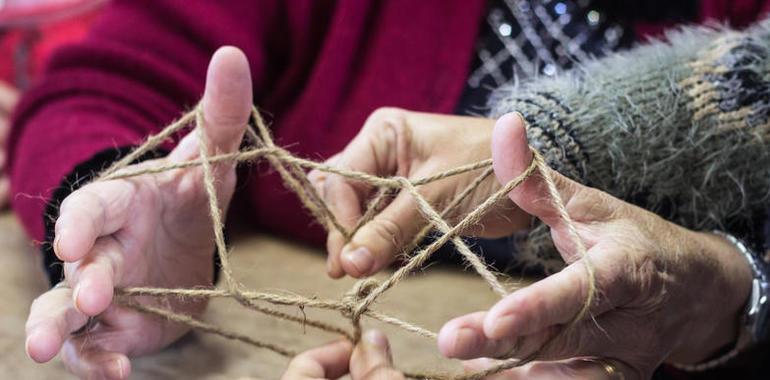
{"x": 8, "y": 98}
{"x": 152, "y": 231}
{"x": 370, "y": 359}
{"x": 413, "y": 145}
{"x": 651, "y": 275}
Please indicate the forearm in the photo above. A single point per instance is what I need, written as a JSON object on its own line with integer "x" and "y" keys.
{"x": 679, "y": 128}
{"x": 141, "y": 65}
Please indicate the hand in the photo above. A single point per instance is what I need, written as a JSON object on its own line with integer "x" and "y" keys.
{"x": 369, "y": 360}
{"x": 8, "y": 98}
{"x": 664, "y": 292}
{"x": 142, "y": 231}
{"x": 413, "y": 145}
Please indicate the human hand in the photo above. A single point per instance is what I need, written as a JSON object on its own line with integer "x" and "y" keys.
{"x": 142, "y": 231}
{"x": 663, "y": 292}
{"x": 395, "y": 142}
{"x": 8, "y": 98}
{"x": 369, "y": 360}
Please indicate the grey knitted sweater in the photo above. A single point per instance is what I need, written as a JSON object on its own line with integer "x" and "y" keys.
{"x": 680, "y": 127}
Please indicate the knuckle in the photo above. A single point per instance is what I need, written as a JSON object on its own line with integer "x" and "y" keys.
{"x": 389, "y": 122}
{"x": 383, "y": 113}
{"x": 590, "y": 204}
{"x": 388, "y": 231}
{"x": 532, "y": 305}
{"x": 226, "y": 118}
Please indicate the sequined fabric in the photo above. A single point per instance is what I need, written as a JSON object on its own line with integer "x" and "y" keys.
{"x": 524, "y": 38}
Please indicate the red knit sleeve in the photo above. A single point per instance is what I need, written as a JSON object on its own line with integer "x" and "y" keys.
{"x": 143, "y": 62}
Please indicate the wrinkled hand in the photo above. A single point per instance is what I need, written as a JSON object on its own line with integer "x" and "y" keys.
{"x": 396, "y": 142}
{"x": 8, "y": 98}
{"x": 142, "y": 231}
{"x": 369, "y": 360}
{"x": 664, "y": 292}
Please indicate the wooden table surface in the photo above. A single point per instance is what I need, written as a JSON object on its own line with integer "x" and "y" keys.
{"x": 262, "y": 263}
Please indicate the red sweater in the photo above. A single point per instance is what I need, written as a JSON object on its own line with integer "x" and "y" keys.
{"x": 319, "y": 66}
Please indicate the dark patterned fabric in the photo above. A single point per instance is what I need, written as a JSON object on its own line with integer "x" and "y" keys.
{"x": 524, "y": 38}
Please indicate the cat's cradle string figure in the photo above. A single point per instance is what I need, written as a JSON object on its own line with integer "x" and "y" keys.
{"x": 356, "y": 304}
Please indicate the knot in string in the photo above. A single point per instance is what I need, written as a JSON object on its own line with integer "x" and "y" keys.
{"x": 354, "y": 303}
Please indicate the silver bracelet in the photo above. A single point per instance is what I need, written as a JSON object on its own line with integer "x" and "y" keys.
{"x": 754, "y": 324}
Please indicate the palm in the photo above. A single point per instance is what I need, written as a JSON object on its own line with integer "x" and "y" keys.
{"x": 144, "y": 231}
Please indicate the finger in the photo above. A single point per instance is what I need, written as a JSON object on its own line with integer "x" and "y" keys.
{"x": 378, "y": 242}
{"x": 89, "y": 362}
{"x": 52, "y": 318}
{"x": 344, "y": 201}
{"x": 511, "y": 156}
{"x": 95, "y": 210}
{"x": 227, "y": 100}
{"x": 373, "y": 151}
{"x": 93, "y": 278}
{"x": 334, "y": 240}
{"x": 463, "y": 338}
{"x": 552, "y": 301}
{"x": 590, "y": 337}
{"x": 317, "y": 177}
{"x": 326, "y": 362}
{"x": 372, "y": 359}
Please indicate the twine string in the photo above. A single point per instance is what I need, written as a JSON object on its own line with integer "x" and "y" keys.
{"x": 358, "y": 302}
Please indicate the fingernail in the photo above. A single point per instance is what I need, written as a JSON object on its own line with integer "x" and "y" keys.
{"x": 376, "y": 339}
{"x": 115, "y": 369}
{"x": 75, "y": 293}
{"x": 361, "y": 259}
{"x": 466, "y": 340}
{"x": 26, "y": 345}
{"x": 502, "y": 326}
{"x": 56, "y": 241}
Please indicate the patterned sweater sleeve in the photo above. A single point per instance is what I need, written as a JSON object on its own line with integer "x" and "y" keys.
{"x": 679, "y": 126}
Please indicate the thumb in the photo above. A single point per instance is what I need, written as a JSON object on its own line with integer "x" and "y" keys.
{"x": 511, "y": 156}
{"x": 378, "y": 242}
{"x": 372, "y": 359}
{"x": 227, "y": 102}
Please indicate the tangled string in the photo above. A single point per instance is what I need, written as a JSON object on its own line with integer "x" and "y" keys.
{"x": 357, "y": 303}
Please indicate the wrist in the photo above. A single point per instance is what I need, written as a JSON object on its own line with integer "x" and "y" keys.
{"x": 720, "y": 293}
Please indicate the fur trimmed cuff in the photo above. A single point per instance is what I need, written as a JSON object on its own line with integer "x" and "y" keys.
{"x": 678, "y": 127}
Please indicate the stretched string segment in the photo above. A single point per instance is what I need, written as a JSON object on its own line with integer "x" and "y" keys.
{"x": 357, "y": 303}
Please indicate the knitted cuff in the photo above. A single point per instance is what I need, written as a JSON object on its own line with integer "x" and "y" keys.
{"x": 551, "y": 132}
{"x": 678, "y": 127}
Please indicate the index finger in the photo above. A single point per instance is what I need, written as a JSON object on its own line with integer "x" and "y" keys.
{"x": 95, "y": 210}
{"x": 328, "y": 361}
{"x": 52, "y": 317}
